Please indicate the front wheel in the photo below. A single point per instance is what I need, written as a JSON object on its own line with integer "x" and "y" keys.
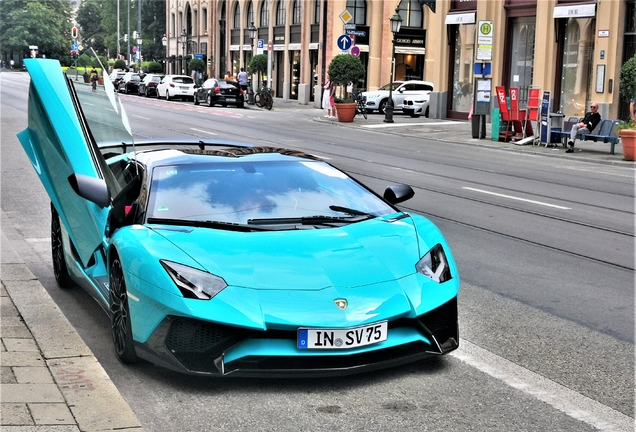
{"x": 60, "y": 270}
{"x": 120, "y": 323}
{"x": 413, "y": 115}
{"x": 382, "y": 107}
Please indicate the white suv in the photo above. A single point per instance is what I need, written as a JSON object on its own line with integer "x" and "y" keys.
{"x": 171, "y": 86}
{"x": 377, "y": 100}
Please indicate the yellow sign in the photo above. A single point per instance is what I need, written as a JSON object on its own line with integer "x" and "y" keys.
{"x": 346, "y": 16}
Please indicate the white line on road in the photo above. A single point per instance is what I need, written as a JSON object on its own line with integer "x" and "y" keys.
{"x": 571, "y": 403}
{"x": 202, "y": 131}
{"x": 517, "y": 198}
{"x": 394, "y": 125}
{"x": 143, "y": 118}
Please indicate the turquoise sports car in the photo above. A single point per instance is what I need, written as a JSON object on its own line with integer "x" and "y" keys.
{"x": 229, "y": 259}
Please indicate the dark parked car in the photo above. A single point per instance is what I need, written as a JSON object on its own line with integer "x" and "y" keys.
{"x": 148, "y": 86}
{"x": 129, "y": 83}
{"x": 219, "y": 92}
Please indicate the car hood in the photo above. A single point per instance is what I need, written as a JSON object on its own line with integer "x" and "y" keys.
{"x": 358, "y": 254}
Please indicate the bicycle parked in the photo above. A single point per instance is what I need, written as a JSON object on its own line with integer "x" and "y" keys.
{"x": 263, "y": 98}
{"x": 360, "y": 103}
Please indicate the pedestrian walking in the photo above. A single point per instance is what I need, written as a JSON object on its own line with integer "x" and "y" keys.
{"x": 586, "y": 126}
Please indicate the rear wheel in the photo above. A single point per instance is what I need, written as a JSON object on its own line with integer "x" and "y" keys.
{"x": 209, "y": 100}
{"x": 120, "y": 324}
{"x": 167, "y": 95}
{"x": 269, "y": 101}
{"x": 196, "y": 100}
{"x": 60, "y": 270}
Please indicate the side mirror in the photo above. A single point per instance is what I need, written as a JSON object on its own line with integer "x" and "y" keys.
{"x": 90, "y": 188}
{"x": 398, "y": 193}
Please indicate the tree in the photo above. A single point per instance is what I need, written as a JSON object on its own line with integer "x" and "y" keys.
{"x": 258, "y": 65}
{"x": 119, "y": 64}
{"x": 345, "y": 69}
{"x": 196, "y": 65}
{"x": 89, "y": 19}
{"x": 155, "y": 67}
{"x": 45, "y": 23}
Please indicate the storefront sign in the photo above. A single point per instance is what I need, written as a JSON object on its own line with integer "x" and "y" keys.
{"x": 463, "y": 18}
{"x": 575, "y": 11}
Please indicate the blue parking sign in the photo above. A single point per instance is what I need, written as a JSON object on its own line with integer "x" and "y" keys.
{"x": 344, "y": 42}
{"x": 260, "y": 43}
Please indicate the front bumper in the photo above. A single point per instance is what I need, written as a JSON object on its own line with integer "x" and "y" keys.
{"x": 203, "y": 348}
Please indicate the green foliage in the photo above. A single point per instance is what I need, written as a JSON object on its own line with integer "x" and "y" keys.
{"x": 45, "y": 23}
{"x": 196, "y": 65}
{"x": 119, "y": 64}
{"x": 628, "y": 79}
{"x": 89, "y": 20}
{"x": 154, "y": 67}
{"x": 258, "y": 64}
{"x": 345, "y": 69}
{"x": 625, "y": 125}
{"x": 85, "y": 60}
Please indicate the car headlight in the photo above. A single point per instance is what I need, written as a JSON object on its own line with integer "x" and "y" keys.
{"x": 194, "y": 283}
{"x": 434, "y": 265}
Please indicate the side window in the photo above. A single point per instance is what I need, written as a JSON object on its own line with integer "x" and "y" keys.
{"x": 408, "y": 87}
{"x": 423, "y": 87}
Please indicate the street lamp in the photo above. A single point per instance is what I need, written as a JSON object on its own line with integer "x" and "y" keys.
{"x": 251, "y": 30}
{"x": 164, "y": 41}
{"x": 139, "y": 41}
{"x": 184, "y": 40}
{"x": 396, "y": 23}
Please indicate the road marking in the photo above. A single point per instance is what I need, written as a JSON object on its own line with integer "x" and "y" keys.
{"x": 202, "y": 131}
{"x": 143, "y": 118}
{"x": 395, "y": 125}
{"x": 517, "y": 198}
{"x": 571, "y": 403}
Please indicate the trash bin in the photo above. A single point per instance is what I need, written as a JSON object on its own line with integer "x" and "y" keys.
{"x": 495, "y": 123}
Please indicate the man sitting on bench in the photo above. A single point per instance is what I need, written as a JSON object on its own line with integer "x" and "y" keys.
{"x": 585, "y": 127}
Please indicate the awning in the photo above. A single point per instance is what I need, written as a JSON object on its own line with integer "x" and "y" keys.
{"x": 575, "y": 11}
{"x": 461, "y": 18}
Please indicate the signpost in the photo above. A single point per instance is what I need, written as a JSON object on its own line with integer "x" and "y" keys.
{"x": 344, "y": 42}
{"x": 484, "y": 41}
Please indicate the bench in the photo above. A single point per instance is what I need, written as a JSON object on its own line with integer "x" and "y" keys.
{"x": 605, "y": 132}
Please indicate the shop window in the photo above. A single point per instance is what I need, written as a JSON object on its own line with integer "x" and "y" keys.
{"x": 576, "y": 72}
{"x": 462, "y": 91}
{"x": 522, "y": 56}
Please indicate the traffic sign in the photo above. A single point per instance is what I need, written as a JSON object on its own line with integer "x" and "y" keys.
{"x": 345, "y": 16}
{"x": 270, "y": 46}
{"x": 260, "y": 43}
{"x": 74, "y": 46}
{"x": 344, "y": 42}
{"x": 355, "y": 51}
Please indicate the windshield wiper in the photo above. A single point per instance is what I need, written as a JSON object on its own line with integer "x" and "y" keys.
{"x": 308, "y": 220}
{"x": 229, "y": 226}
{"x": 351, "y": 211}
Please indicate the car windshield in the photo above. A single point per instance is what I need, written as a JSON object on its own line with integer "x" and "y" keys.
{"x": 387, "y": 87}
{"x": 183, "y": 80}
{"x": 102, "y": 108}
{"x": 249, "y": 192}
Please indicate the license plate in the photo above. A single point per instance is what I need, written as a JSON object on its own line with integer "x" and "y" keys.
{"x": 230, "y": 99}
{"x": 314, "y": 338}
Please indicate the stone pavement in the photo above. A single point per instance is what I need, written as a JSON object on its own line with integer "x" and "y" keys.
{"x": 51, "y": 381}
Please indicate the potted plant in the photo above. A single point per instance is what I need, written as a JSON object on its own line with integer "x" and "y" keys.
{"x": 345, "y": 69}
{"x": 87, "y": 77}
{"x": 627, "y": 129}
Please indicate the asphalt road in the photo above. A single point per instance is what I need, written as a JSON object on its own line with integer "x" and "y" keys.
{"x": 545, "y": 249}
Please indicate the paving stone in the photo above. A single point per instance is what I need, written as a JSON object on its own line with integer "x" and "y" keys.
{"x": 30, "y": 393}
{"x": 15, "y": 414}
{"x": 7, "y": 376}
{"x": 51, "y": 414}
{"x": 15, "y": 331}
{"x": 32, "y": 375}
{"x": 23, "y": 345}
{"x": 49, "y": 428}
{"x": 21, "y": 358}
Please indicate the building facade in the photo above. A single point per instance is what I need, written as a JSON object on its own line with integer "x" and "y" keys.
{"x": 571, "y": 48}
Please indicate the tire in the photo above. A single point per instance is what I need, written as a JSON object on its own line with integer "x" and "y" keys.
{"x": 209, "y": 101}
{"x": 426, "y": 113}
{"x": 167, "y": 95}
{"x": 382, "y": 106}
{"x": 224, "y": 105}
{"x": 369, "y": 111}
{"x": 120, "y": 324}
{"x": 60, "y": 269}
{"x": 196, "y": 100}
{"x": 241, "y": 105}
{"x": 269, "y": 102}
{"x": 413, "y": 115}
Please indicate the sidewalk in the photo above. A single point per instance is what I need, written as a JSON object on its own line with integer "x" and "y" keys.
{"x": 50, "y": 380}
